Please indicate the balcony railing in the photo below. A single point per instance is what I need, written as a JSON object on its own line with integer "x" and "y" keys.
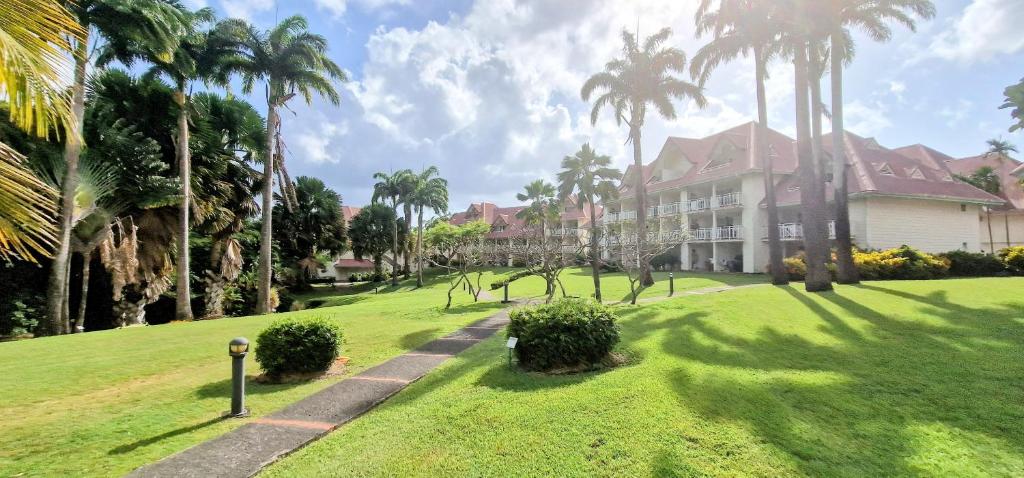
{"x": 668, "y": 209}
{"x": 723, "y": 233}
{"x": 627, "y": 216}
{"x": 727, "y": 200}
{"x": 565, "y": 232}
{"x": 702, "y": 234}
{"x": 673, "y": 236}
{"x": 794, "y": 231}
{"x": 698, "y": 204}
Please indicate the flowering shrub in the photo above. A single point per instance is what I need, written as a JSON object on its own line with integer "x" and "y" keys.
{"x": 1013, "y": 258}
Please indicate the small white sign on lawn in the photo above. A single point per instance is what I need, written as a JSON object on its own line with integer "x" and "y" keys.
{"x": 512, "y": 341}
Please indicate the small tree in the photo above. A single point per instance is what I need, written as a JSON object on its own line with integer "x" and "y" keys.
{"x": 371, "y": 234}
{"x": 313, "y": 228}
{"x": 634, "y": 254}
{"x": 456, "y": 250}
{"x": 546, "y": 255}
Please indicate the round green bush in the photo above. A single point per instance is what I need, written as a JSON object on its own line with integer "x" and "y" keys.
{"x": 298, "y": 346}
{"x": 565, "y": 333}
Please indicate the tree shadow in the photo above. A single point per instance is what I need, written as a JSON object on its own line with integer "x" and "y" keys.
{"x": 845, "y": 404}
{"x": 482, "y": 306}
{"x": 413, "y": 340}
{"x": 222, "y": 388}
{"x": 127, "y": 448}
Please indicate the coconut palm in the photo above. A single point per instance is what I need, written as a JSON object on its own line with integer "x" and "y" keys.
{"x": 196, "y": 56}
{"x": 431, "y": 193}
{"x": 390, "y": 187}
{"x": 741, "y": 28}
{"x": 371, "y": 233}
{"x": 590, "y": 176}
{"x": 871, "y": 17}
{"x": 1000, "y": 148}
{"x": 154, "y": 22}
{"x": 406, "y": 194}
{"x": 291, "y": 61}
{"x": 644, "y": 77}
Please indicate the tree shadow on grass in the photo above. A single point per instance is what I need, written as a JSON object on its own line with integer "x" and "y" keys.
{"x": 482, "y": 306}
{"x": 127, "y": 448}
{"x": 850, "y": 405}
{"x": 222, "y": 388}
{"x": 413, "y": 340}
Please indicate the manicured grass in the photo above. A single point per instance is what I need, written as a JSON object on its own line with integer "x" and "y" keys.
{"x": 104, "y": 403}
{"x": 615, "y": 287}
{"x": 882, "y": 379}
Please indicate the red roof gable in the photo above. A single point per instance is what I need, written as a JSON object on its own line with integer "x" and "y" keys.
{"x": 1006, "y": 167}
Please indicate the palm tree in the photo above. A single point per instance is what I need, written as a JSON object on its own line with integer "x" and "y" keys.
{"x": 391, "y": 186}
{"x": 406, "y": 194}
{"x": 154, "y": 22}
{"x": 739, "y": 28}
{"x": 1000, "y": 148}
{"x": 798, "y": 35}
{"x": 291, "y": 61}
{"x": 870, "y": 16}
{"x": 196, "y": 56}
{"x": 543, "y": 211}
{"x": 591, "y": 176}
{"x": 431, "y": 193}
{"x": 371, "y": 233}
{"x": 643, "y": 77}
{"x": 986, "y": 179}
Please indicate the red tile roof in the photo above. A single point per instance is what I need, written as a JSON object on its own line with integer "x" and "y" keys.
{"x": 1006, "y": 167}
{"x": 348, "y": 212}
{"x": 353, "y": 264}
{"x": 513, "y": 226}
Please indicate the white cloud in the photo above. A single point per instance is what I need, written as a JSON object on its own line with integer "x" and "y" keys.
{"x": 245, "y": 9}
{"x": 335, "y": 7}
{"x": 985, "y": 29}
{"x": 866, "y": 119}
{"x": 315, "y": 145}
{"x": 956, "y": 114}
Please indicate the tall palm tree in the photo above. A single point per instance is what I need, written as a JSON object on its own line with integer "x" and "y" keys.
{"x": 542, "y": 211}
{"x": 291, "y": 61}
{"x": 986, "y": 179}
{"x": 196, "y": 56}
{"x": 35, "y": 38}
{"x": 871, "y": 17}
{"x": 739, "y": 28}
{"x": 407, "y": 192}
{"x": 591, "y": 176}
{"x": 644, "y": 76}
{"x": 390, "y": 187}
{"x": 798, "y": 38}
{"x": 431, "y": 193}
{"x": 154, "y": 22}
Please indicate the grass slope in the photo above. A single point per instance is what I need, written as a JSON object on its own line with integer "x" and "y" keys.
{"x": 881, "y": 379}
{"x": 104, "y": 403}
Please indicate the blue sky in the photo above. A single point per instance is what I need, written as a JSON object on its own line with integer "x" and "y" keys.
{"x": 488, "y": 90}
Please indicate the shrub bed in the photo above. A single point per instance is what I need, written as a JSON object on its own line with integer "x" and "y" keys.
{"x": 565, "y": 333}
{"x": 901, "y": 263}
{"x": 973, "y": 264}
{"x": 1013, "y": 259}
{"x": 298, "y": 346}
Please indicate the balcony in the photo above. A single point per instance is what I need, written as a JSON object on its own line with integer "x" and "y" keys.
{"x": 727, "y": 200}
{"x": 610, "y": 218}
{"x": 565, "y": 232}
{"x": 701, "y": 234}
{"x": 728, "y": 233}
{"x": 627, "y": 216}
{"x": 698, "y": 204}
{"x": 669, "y": 209}
{"x": 677, "y": 235}
{"x": 794, "y": 231}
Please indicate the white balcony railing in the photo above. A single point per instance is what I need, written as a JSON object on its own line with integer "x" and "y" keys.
{"x": 668, "y": 209}
{"x": 794, "y": 231}
{"x": 627, "y": 216}
{"x": 727, "y": 200}
{"x": 565, "y": 232}
{"x": 728, "y": 233}
{"x": 698, "y": 204}
{"x": 702, "y": 234}
{"x": 673, "y": 236}
{"x": 610, "y": 218}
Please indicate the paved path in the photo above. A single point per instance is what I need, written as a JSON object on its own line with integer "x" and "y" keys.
{"x": 247, "y": 449}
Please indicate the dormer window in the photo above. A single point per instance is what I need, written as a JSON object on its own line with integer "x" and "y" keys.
{"x": 947, "y": 177}
{"x": 793, "y": 189}
{"x": 885, "y": 170}
{"x": 723, "y": 154}
{"x": 915, "y": 173}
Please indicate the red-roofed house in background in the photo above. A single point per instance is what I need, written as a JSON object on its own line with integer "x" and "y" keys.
{"x": 346, "y": 263}
{"x": 507, "y": 229}
{"x": 708, "y": 193}
{"x": 1008, "y": 218}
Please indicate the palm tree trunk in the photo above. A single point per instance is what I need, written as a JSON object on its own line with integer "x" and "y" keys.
{"x": 846, "y": 271}
{"x": 394, "y": 246}
{"x": 266, "y": 266}
{"x": 57, "y": 286}
{"x": 406, "y": 247}
{"x": 815, "y": 244}
{"x": 419, "y": 248}
{"x": 776, "y": 266}
{"x": 1006, "y": 223}
{"x": 595, "y": 256}
{"x": 183, "y": 292}
{"x": 84, "y": 301}
{"x": 991, "y": 241}
{"x": 646, "y": 279}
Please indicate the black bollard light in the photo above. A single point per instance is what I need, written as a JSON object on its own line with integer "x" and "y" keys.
{"x": 238, "y": 348}
{"x": 506, "y": 294}
{"x": 671, "y": 284}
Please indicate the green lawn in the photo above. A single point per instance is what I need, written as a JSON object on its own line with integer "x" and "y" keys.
{"x": 103, "y": 403}
{"x": 615, "y": 287}
{"x": 882, "y": 379}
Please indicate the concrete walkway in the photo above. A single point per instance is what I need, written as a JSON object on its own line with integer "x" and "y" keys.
{"x": 247, "y": 449}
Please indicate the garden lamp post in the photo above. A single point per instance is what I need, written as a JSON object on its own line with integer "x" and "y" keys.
{"x": 238, "y": 348}
{"x": 671, "y": 284}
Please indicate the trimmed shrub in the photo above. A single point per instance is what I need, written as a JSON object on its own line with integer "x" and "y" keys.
{"x": 972, "y": 264}
{"x": 508, "y": 279}
{"x": 901, "y": 263}
{"x": 796, "y": 268}
{"x": 1013, "y": 259}
{"x": 565, "y": 333}
{"x": 298, "y": 346}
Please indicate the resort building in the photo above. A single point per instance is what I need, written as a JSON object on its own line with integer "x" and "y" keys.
{"x": 1000, "y": 226}
{"x": 508, "y": 232}
{"x": 706, "y": 197}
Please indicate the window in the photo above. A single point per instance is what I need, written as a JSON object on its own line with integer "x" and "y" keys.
{"x": 963, "y": 208}
{"x": 884, "y": 169}
{"x": 915, "y": 173}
